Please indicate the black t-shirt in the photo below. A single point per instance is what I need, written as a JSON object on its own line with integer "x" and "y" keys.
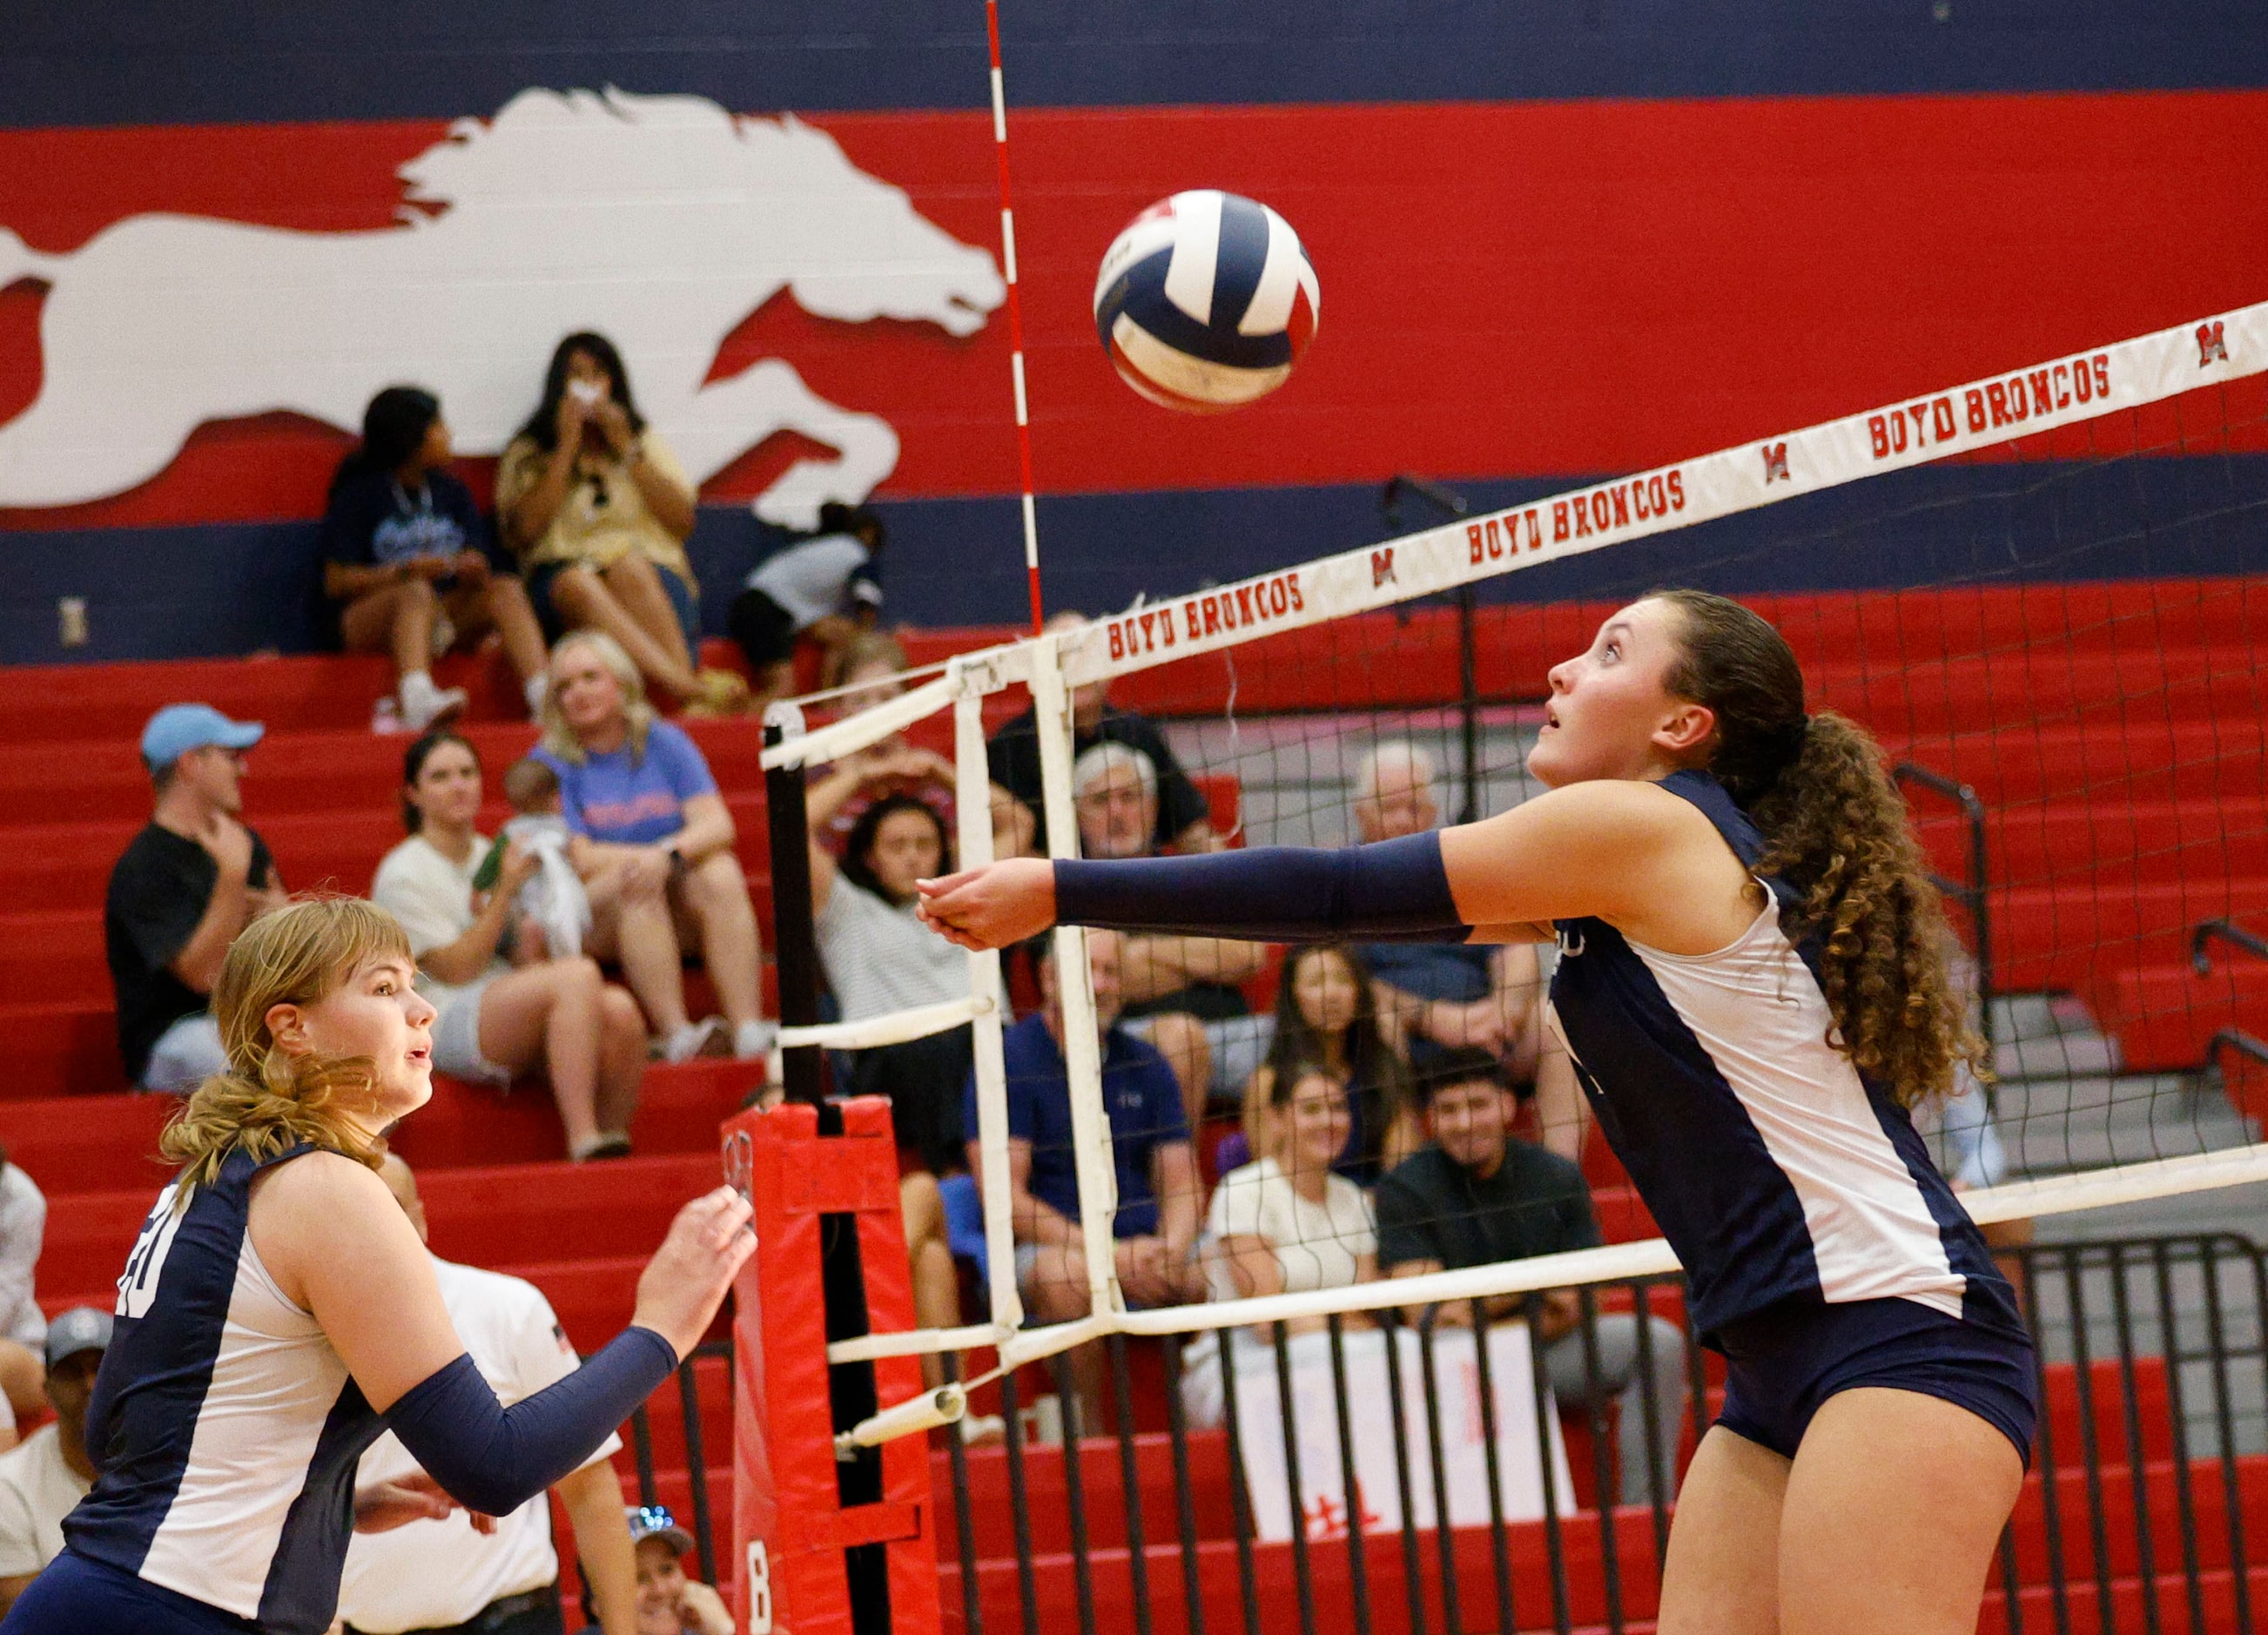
{"x": 373, "y": 521}
{"x": 157, "y": 894}
{"x": 1013, "y": 755}
{"x": 1431, "y": 1208}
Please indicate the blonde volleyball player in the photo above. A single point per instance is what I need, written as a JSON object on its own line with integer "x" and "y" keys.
{"x": 1752, "y": 982}
{"x": 278, "y": 1312}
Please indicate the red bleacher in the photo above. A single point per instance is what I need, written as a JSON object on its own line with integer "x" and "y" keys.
{"x": 2114, "y": 733}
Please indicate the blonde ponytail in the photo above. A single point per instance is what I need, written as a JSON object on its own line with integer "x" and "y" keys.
{"x": 271, "y": 1099}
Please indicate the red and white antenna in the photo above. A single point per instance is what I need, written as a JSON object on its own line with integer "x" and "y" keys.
{"x": 1015, "y": 313}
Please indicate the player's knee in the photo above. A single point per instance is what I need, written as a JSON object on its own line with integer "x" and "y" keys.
{"x": 576, "y": 591}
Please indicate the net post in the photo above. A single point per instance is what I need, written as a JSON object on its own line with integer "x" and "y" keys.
{"x": 808, "y": 1526}
{"x": 972, "y": 815}
{"x": 1082, "y": 1044}
{"x": 795, "y": 939}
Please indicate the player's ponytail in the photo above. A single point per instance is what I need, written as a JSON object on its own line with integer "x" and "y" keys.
{"x": 271, "y": 1099}
{"x": 1835, "y": 826}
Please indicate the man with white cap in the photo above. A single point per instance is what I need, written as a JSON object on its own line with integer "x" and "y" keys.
{"x": 187, "y": 884}
{"x": 42, "y": 1480}
{"x": 448, "y": 1577}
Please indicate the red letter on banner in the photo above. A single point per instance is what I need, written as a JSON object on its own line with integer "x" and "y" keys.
{"x": 1875, "y": 429}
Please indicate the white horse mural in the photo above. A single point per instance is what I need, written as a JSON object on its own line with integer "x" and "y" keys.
{"x": 662, "y": 221}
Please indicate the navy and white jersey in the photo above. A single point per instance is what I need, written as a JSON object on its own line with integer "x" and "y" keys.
{"x": 1773, "y": 1166}
{"x": 224, "y": 1426}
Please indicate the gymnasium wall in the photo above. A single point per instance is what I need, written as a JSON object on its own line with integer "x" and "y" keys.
{"x": 1554, "y": 241}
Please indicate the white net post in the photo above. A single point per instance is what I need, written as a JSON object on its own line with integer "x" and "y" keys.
{"x": 973, "y": 808}
{"x": 1091, "y": 1155}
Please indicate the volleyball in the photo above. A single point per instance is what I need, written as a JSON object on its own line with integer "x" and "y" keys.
{"x": 1206, "y": 301}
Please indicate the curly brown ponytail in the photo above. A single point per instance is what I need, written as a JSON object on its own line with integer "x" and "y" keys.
{"x": 1835, "y": 826}
{"x": 271, "y": 1099}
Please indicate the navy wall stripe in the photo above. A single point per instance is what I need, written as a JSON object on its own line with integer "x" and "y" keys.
{"x": 188, "y": 62}
{"x": 238, "y": 588}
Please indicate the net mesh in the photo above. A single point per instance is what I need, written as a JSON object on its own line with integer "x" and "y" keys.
{"x": 2037, "y": 591}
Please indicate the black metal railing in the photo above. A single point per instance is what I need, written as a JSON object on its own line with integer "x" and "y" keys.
{"x": 1973, "y": 893}
{"x": 2142, "y": 1509}
{"x": 2211, "y": 932}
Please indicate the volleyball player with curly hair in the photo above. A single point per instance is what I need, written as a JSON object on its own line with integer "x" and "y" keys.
{"x": 1753, "y": 984}
{"x": 278, "y": 1312}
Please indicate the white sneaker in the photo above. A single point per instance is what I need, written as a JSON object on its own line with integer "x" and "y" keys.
{"x": 692, "y": 1040}
{"x": 425, "y": 705}
{"x": 751, "y": 1039}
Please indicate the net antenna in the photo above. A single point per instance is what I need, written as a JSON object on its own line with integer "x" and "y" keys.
{"x": 2068, "y": 391}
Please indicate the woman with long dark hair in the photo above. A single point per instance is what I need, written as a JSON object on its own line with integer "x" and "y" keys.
{"x": 1752, "y": 986}
{"x": 597, "y": 507}
{"x": 411, "y": 563}
{"x": 278, "y": 1312}
{"x": 1326, "y": 1019}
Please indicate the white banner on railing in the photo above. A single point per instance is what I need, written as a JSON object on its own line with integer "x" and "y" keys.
{"x": 1327, "y": 1509}
{"x": 2021, "y": 402}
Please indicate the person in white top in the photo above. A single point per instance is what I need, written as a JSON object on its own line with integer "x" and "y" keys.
{"x": 1284, "y": 1223}
{"x": 42, "y": 1481}
{"x": 23, "y": 1231}
{"x": 443, "y": 1574}
{"x": 495, "y": 1021}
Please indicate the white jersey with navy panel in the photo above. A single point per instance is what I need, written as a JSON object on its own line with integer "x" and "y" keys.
{"x": 226, "y": 1427}
{"x": 1773, "y": 1166}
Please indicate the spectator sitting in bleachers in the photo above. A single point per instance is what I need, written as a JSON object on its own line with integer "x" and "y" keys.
{"x": 192, "y": 880}
{"x": 412, "y": 565}
{"x": 1180, "y": 820}
{"x": 42, "y": 1481}
{"x": 1160, "y": 1196}
{"x": 1326, "y": 1018}
{"x": 872, "y": 663}
{"x": 822, "y": 588}
{"x": 668, "y": 1602}
{"x": 879, "y": 958}
{"x": 1476, "y": 1196}
{"x": 444, "y": 1574}
{"x": 1180, "y": 993}
{"x": 1442, "y": 996}
{"x": 598, "y": 509}
{"x": 496, "y": 1021}
{"x": 654, "y": 848}
{"x": 1285, "y": 1223}
{"x": 23, "y": 1233}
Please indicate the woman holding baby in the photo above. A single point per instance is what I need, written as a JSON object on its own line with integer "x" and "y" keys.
{"x": 505, "y": 1008}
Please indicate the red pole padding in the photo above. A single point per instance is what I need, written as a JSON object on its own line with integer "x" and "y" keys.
{"x": 789, "y": 1527}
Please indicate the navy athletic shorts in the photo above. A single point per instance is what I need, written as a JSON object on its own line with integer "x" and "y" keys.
{"x": 1785, "y": 1361}
{"x": 76, "y": 1597}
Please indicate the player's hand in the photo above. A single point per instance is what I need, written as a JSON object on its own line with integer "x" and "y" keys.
{"x": 701, "y": 1607}
{"x": 383, "y": 1506}
{"x": 685, "y": 1282}
{"x": 991, "y": 907}
{"x": 573, "y": 414}
{"x": 614, "y": 424}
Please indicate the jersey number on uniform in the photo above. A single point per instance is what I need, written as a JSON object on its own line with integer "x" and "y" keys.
{"x": 139, "y": 1284}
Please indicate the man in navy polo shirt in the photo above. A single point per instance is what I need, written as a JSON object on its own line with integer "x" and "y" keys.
{"x": 1160, "y": 1198}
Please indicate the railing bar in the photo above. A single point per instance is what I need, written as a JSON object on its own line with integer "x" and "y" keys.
{"x": 1444, "y": 1534}
{"x": 2098, "y": 1522}
{"x": 1499, "y": 1543}
{"x": 1019, "y": 1504}
{"x": 2178, "y": 1411}
{"x": 1358, "y": 1548}
{"x": 2050, "y": 1484}
{"x": 1413, "y": 1566}
{"x": 1661, "y": 1463}
{"x": 1130, "y": 1476}
{"x": 1239, "y": 1496}
{"x": 1604, "y": 1478}
{"x": 1302, "y": 1571}
{"x": 642, "y": 1450}
{"x": 1185, "y": 1505}
{"x": 2146, "y": 1554}
{"x": 1074, "y": 1436}
{"x": 964, "y": 1521}
{"x": 688, "y": 1405}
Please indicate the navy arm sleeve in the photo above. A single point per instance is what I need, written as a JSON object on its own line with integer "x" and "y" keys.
{"x": 494, "y": 1459}
{"x": 1393, "y": 891}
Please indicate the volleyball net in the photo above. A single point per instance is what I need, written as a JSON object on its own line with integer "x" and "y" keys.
{"x": 2031, "y": 588}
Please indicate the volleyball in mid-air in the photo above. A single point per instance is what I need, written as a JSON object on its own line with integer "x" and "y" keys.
{"x": 1205, "y": 301}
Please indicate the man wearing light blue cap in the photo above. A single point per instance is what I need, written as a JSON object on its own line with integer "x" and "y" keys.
{"x": 185, "y": 887}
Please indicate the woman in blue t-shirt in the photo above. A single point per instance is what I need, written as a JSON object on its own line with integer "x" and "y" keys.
{"x": 411, "y": 564}
{"x": 654, "y": 846}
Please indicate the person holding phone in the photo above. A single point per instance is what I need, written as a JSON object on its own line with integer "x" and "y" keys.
{"x": 597, "y": 507}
